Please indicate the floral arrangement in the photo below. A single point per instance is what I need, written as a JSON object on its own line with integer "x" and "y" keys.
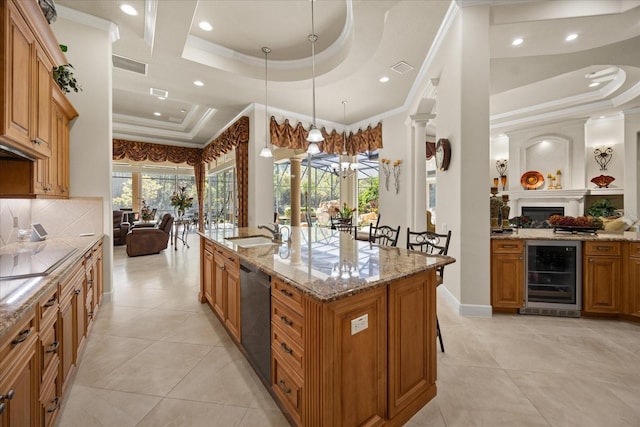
{"x": 396, "y": 174}
{"x": 346, "y": 212}
{"x": 386, "y": 169}
{"x": 146, "y": 213}
{"x": 181, "y": 201}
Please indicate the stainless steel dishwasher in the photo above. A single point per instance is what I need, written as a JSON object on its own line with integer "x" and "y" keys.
{"x": 255, "y": 313}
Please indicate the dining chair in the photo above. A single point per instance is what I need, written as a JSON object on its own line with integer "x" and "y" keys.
{"x": 384, "y": 235}
{"x": 434, "y": 244}
{"x": 346, "y": 227}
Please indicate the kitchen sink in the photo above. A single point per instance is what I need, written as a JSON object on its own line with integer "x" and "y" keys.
{"x": 251, "y": 241}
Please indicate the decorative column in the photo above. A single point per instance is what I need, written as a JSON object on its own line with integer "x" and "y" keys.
{"x": 136, "y": 191}
{"x": 295, "y": 191}
{"x": 419, "y": 172}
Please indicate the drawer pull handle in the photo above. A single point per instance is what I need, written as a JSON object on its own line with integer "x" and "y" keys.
{"x": 286, "y": 321}
{"x": 603, "y": 248}
{"x": 286, "y": 348}
{"x": 510, "y": 246}
{"x": 51, "y": 302}
{"x": 284, "y": 387}
{"x": 21, "y": 338}
{"x": 2, "y": 406}
{"x": 77, "y": 291}
{"x": 286, "y": 293}
{"x": 37, "y": 141}
{"x": 90, "y": 314}
{"x": 54, "y": 347}
{"x": 90, "y": 281}
{"x": 7, "y": 396}
{"x": 55, "y": 402}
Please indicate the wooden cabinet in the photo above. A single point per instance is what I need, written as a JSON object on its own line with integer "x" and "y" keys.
{"x": 507, "y": 273}
{"x": 633, "y": 279}
{"x": 220, "y": 284}
{"x": 19, "y": 373}
{"x": 49, "y": 345}
{"x": 602, "y": 277}
{"x": 27, "y": 85}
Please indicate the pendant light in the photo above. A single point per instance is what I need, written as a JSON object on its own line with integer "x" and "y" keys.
{"x": 345, "y": 169}
{"x": 315, "y": 136}
{"x": 266, "y": 151}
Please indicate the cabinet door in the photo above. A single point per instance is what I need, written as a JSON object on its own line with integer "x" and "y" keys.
{"x": 634, "y": 286}
{"x": 21, "y": 384}
{"x": 507, "y": 280}
{"x": 219, "y": 286}
{"x": 412, "y": 340}
{"x": 232, "y": 317}
{"x": 67, "y": 340}
{"x": 208, "y": 271}
{"x": 41, "y": 110}
{"x": 42, "y": 177}
{"x": 602, "y": 284}
{"x": 79, "y": 319}
{"x": 17, "y": 113}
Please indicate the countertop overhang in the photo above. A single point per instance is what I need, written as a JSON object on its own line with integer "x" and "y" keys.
{"x": 327, "y": 264}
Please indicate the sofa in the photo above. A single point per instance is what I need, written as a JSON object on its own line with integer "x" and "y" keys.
{"x": 120, "y": 228}
{"x": 149, "y": 240}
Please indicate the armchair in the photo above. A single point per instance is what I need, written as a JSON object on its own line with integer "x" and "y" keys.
{"x": 149, "y": 240}
{"x": 120, "y": 228}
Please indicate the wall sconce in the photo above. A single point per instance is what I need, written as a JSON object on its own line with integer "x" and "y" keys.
{"x": 603, "y": 156}
{"x": 501, "y": 167}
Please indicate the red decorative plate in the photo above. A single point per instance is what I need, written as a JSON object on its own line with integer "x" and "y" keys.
{"x": 531, "y": 180}
{"x": 603, "y": 180}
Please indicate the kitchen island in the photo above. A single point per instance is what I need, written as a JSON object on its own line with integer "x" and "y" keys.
{"x": 351, "y": 326}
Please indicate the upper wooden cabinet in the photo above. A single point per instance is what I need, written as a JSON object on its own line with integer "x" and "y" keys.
{"x": 26, "y": 89}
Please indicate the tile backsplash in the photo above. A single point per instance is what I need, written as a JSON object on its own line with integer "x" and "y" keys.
{"x": 60, "y": 217}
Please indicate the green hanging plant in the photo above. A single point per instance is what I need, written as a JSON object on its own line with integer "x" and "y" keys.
{"x": 65, "y": 79}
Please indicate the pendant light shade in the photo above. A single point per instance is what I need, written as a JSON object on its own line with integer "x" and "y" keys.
{"x": 315, "y": 136}
{"x": 266, "y": 151}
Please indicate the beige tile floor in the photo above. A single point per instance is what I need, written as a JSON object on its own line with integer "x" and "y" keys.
{"x": 157, "y": 357}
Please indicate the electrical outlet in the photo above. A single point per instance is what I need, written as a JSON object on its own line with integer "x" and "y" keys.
{"x": 15, "y": 222}
{"x": 359, "y": 324}
{"x": 445, "y": 227}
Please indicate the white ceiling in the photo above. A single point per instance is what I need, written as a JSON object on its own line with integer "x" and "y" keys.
{"x": 543, "y": 79}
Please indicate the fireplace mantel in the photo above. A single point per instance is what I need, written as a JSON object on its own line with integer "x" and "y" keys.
{"x": 572, "y": 200}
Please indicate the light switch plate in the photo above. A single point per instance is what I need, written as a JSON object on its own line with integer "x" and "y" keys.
{"x": 359, "y": 324}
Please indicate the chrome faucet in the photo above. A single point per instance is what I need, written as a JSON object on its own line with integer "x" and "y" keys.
{"x": 277, "y": 235}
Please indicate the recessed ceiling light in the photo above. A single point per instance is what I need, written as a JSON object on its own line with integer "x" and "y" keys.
{"x": 183, "y": 111}
{"x": 602, "y": 117}
{"x": 517, "y": 42}
{"x": 128, "y": 9}
{"x": 383, "y": 79}
{"x": 571, "y": 37}
{"x": 161, "y": 98}
{"x": 594, "y": 84}
{"x": 156, "y": 114}
{"x": 198, "y": 83}
{"x": 205, "y": 26}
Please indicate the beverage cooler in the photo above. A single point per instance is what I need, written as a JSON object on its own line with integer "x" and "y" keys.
{"x": 553, "y": 278}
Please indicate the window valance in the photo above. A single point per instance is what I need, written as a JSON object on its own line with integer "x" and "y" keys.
{"x": 141, "y": 151}
{"x": 286, "y": 136}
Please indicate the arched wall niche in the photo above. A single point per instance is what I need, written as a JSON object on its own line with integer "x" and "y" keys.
{"x": 547, "y": 154}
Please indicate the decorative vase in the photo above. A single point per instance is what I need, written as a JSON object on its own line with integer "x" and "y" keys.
{"x": 503, "y": 181}
{"x": 180, "y": 214}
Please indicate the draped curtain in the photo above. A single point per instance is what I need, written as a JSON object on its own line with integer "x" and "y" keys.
{"x": 237, "y": 135}
{"x": 431, "y": 149}
{"x": 286, "y": 136}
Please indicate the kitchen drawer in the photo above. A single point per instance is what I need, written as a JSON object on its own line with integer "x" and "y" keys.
{"x": 68, "y": 282}
{"x": 21, "y": 337}
{"x": 48, "y": 306}
{"x": 49, "y": 345}
{"x": 288, "y": 350}
{"x": 602, "y": 248}
{"x": 49, "y": 399}
{"x": 500, "y": 246}
{"x": 291, "y": 322}
{"x": 634, "y": 250}
{"x": 208, "y": 245}
{"x": 287, "y": 294}
{"x": 288, "y": 388}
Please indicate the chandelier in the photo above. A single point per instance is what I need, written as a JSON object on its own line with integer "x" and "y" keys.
{"x": 345, "y": 169}
{"x": 266, "y": 151}
{"x": 315, "y": 136}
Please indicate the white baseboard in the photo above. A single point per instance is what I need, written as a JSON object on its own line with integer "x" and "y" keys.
{"x": 467, "y": 310}
{"x": 106, "y": 297}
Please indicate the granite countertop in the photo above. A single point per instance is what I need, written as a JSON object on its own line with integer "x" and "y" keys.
{"x": 333, "y": 266}
{"x": 548, "y": 234}
{"x": 17, "y": 296}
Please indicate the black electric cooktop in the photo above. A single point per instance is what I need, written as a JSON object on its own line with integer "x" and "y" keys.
{"x": 32, "y": 259}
